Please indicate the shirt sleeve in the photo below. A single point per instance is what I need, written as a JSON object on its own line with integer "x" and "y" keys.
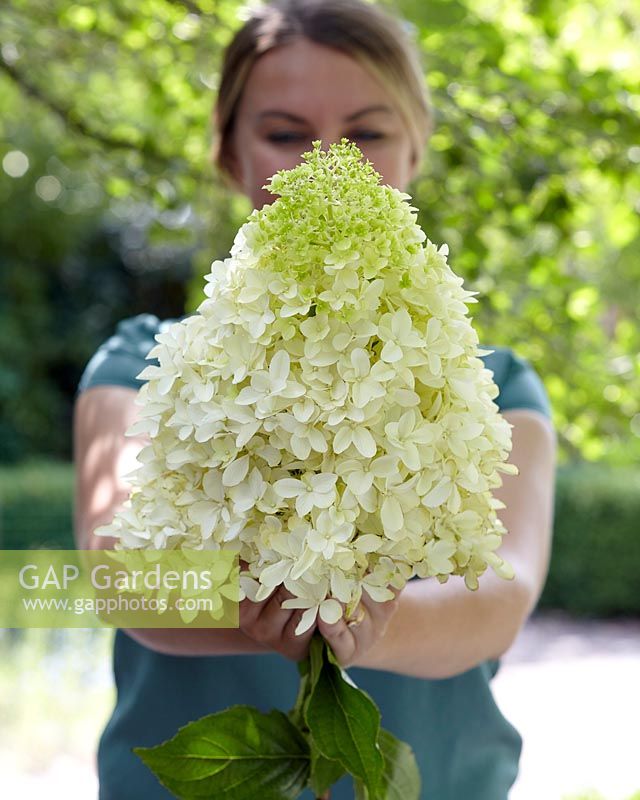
{"x": 119, "y": 360}
{"x": 519, "y": 384}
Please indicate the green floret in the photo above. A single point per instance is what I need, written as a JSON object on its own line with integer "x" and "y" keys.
{"x": 332, "y": 211}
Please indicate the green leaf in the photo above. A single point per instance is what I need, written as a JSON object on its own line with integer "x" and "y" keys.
{"x": 226, "y": 755}
{"x": 309, "y": 670}
{"x": 401, "y": 776}
{"x": 318, "y": 652}
{"x": 296, "y": 715}
{"x": 344, "y": 723}
{"x": 324, "y": 772}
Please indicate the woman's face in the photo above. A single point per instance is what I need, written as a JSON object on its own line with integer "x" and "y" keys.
{"x": 303, "y": 91}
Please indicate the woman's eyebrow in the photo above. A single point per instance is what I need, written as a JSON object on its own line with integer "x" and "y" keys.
{"x": 300, "y": 120}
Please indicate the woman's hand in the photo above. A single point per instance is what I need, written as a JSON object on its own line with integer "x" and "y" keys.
{"x": 274, "y": 627}
{"x": 351, "y": 640}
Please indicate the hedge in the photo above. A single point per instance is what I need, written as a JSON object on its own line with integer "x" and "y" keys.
{"x": 595, "y": 566}
{"x": 36, "y": 506}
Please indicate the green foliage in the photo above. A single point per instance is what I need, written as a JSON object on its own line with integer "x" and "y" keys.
{"x": 589, "y": 795}
{"x": 228, "y": 754}
{"x": 593, "y": 795}
{"x": 344, "y": 721}
{"x": 345, "y": 735}
{"x": 531, "y": 177}
{"x": 399, "y": 773}
{"x": 36, "y": 506}
{"x": 66, "y": 278}
{"x": 596, "y": 550}
{"x": 333, "y": 729}
{"x": 324, "y": 772}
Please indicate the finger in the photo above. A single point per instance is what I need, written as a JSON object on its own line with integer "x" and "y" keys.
{"x": 380, "y": 612}
{"x": 299, "y": 643}
{"x": 251, "y": 611}
{"x": 340, "y": 638}
{"x": 272, "y": 619}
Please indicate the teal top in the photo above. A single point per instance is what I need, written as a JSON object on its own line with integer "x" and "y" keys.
{"x": 466, "y": 749}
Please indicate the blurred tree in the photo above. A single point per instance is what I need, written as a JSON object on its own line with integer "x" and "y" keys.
{"x": 532, "y": 177}
{"x": 66, "y": 278}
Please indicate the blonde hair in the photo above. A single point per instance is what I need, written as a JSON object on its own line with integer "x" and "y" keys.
{"x": 360, "y": 30}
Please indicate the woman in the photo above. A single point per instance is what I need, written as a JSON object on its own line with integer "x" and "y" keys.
{"x": 298, "y": 71}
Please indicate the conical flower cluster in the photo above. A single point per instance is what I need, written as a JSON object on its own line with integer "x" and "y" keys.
{"x": 325, "y": 410}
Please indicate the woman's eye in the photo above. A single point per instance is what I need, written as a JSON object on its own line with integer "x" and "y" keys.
{"x": 366, "y": 135}
{"x": 285, "y": 137}
{"x": 295, "y": 137}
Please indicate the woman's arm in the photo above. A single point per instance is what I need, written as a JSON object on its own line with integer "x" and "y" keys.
{"x": 442, "y": 630}
{"x": 103, "y": 455}
{"x": 436, "y": 630}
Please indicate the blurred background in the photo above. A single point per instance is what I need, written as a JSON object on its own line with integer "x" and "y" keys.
{"x": 110, "y": 208}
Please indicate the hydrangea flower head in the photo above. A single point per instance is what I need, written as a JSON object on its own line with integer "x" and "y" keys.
{"x": 325, "y": 410}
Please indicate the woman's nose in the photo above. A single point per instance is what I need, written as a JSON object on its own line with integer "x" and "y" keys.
{"x": 327, "y": 139}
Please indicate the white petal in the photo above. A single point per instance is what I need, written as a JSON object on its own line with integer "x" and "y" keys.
{"x": 262, "y": 593}
{"x": 342, "y": 439}
{"x": 406, "y": 397}
{"x": 247, "y": 396}
{"x": 288, "y": 487}
{"x": 410, "y": 457}
{"x": 165, "y": 384}
{"x": 378, "y": 593}
{"x": 330, "y": 611}
{"x": 368, "y": 542}
{"x": 405, "y": 424}
{"x": 322, "y": 500}
{"x": 303, "y": 564}
{"x": 307, "y": 620}
{"x": 236, "y": 471}
{"x": 385, "y": 466}
{"x": 391, "y": 352}
{"x": 360, "y": 482}
{"x": 248, "y": 431}
{"x": 391, "y": 515}
{"x": 438, "y": 495}
{"x": 142, "y": 426}
{"x": 150, "y": 372}
{"x": 279, "y": 367}
{"x": 340, "y": 586}
{"x": 324, "y": 482}
{"x": 317, "y": 440}
{"x": 243, "y": 498}
{"x": 301, "y": 448}
{"x": 275, "y": 574}
{"x": 212, "y": 485}
{"x": 304, "y": 503}
{"x": 297, "y": 602}
{"x": 360, "y": 362}
{"x": 341, "y": 341}
{"x": 364, "y": 442}
{"x": 203, "y": 514}
{"x": 303, "y": 410}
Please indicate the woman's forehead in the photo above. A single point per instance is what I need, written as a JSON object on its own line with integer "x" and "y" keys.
{"x": 308, "y": 80}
